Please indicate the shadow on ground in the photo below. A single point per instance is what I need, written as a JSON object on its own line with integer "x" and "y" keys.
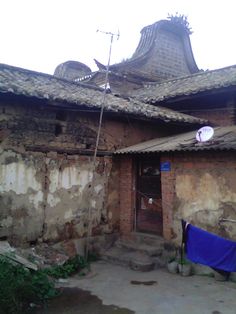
{"x": 77, "y": 301}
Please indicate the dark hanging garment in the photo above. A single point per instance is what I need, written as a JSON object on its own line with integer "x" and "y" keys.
{"x": 205, "y": 248}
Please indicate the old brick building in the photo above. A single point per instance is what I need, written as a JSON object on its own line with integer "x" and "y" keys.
{"x": 199, "y": 181}
{"x": 48, "y": 135}
{"x": 164, "y": 52}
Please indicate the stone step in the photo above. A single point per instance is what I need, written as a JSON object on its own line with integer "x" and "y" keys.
{"x": 124, "y": 257}
{"x": 144, "y": 238}
{"x": 143, "y": 251}
{"x": 117, "y": 256}
{"x": 168, "y": 247}
{"x": 139, "y": 247}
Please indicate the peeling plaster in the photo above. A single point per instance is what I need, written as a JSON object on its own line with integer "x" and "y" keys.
{"x": 68, "y": 177}
{"x": 68, "y": 214}
{"x": 18, "y": 177}
{"x": 204, "y": 197}
{"x": 42, "y": 194}
{"x": 7, "y": 222}
{"x": 53, "y": 200}
{"x": 98, "y": 188}
{"x": 21, "y": 196}
{"x": 197, "y": 194}
{"x": 69, "y": 185}
{"x": 36, "y": 198}
{"x": 93, "y": 203}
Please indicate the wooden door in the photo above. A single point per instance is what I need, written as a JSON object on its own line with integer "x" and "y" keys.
{"x": 148, "y": 196}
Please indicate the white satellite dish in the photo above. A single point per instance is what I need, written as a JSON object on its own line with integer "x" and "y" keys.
{"x": 204, "y": 134}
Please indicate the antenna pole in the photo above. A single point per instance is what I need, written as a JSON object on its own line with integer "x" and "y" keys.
{"x": 89, "y": 230}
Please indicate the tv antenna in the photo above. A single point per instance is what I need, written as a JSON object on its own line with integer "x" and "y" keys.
{"x": 89, "y": 225}
{"x": 105, "y": 86}
{"x": 117, "y": 35}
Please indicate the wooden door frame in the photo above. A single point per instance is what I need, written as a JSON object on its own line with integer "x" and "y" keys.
{"x": 137, "y": 168}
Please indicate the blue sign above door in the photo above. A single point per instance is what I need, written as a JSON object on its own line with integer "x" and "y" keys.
{"x": 165, "y": 166}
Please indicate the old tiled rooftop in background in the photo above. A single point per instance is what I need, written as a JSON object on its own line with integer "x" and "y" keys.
{"x": 188, "y": 85}
{"x": 27, "y": 83}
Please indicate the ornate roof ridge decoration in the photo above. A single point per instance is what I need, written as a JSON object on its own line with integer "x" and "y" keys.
{"x": 149, "y": 34}
{"x": 180, "y": 21}
{"x": 155, "y": 58}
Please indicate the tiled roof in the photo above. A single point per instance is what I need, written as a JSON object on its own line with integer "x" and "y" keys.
{"x": 150, "y": 36}
{"x": 224, "y": 139}
{"x": 27, "y": 83}
{"x": 151, "y": 61}
{"x": 189, "y": 85}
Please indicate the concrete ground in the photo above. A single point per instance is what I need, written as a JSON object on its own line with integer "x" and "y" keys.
{"x": 163, "y": 293}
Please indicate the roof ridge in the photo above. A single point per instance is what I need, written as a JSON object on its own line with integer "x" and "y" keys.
{"x": 51, "y": 76}
{"x": 201, "y": 72}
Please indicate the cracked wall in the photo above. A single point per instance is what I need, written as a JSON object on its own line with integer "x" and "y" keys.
{"x": 202, "y": 191}
{"x": 46, "y": 170}
{"x": 21, "y": 196}
{"x": 73, "y": 190}
{"x": 42, "y": 197}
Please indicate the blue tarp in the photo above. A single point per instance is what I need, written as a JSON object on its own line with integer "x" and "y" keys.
{"x": 209, "y": 249}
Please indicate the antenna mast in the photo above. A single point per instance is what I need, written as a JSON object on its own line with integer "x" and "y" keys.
{"x": 105, "y": 89}
{"x": 112, "y": 35}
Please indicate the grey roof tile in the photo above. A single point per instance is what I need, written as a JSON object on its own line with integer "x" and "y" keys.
{"x": 224, "y": 139}
{"x": 44, "y": 86}
{"x": 188, "y": 85}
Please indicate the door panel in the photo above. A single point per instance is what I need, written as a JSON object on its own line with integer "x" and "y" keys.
{"x": 148, "y": 197}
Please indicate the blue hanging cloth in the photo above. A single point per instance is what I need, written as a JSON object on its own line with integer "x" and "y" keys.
{"x": 206, "y": 248}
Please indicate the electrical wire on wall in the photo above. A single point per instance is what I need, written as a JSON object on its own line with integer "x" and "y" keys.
{"x": 89, "y": 226}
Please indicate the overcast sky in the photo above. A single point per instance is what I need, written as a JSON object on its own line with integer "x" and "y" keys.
{"x": 40, "y": 34}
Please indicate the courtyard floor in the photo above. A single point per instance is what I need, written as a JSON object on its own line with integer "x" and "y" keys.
{"x": 112, "y": 289}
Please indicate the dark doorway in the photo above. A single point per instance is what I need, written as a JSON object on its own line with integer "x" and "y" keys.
{"x": 148, "y": 196}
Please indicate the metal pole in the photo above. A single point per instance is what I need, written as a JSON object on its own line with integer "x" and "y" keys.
{"x": 226, "y": 220}
{"x": 89, "y": 232}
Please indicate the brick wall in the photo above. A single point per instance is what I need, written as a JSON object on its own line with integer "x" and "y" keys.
{"x": 126, "y": 195}
{"x": 216, "y": 117}
{"x": 55, "y": 129}
{"x": 218, "y": 108}
{"x": 168, "y": 194}
{"x": 200, "y": 187}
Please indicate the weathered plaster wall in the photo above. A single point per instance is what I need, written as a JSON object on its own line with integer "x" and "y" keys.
{"x": 49, "y": 198}
{"x": 21, "y": 196}
{"x": 46, "y": 182}
{"x": 71, "y": 192}
{"x": 202, "y": 191}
